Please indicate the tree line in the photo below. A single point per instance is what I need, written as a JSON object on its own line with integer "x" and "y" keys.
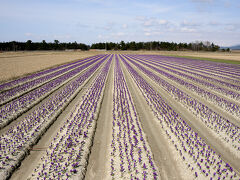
{"x": 29, "y": 45}
{"x": 157, "y": 45}
{"x": 153, "y": 45}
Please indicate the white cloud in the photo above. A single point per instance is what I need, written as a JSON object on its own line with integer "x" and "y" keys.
{"x": 152, "y": 32}
{"x": 190, "y": 23}
{"x": 147, "y": 34}
{"x": 188, "y": 30}
{"x": 148, "y": 22}
{"x": 28, "y": 34}
{"x": 162, "y": 22}
{"x": 125, "y": 26}
{"x": 231, "y": 27}
{"x": 147, "y": 29}
{"x": 100, "y": 36}
{"x": 214, "y": 23}
{"x": 225, "y": 26}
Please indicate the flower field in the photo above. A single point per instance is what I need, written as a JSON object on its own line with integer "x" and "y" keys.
{"x": 122, "y": 116}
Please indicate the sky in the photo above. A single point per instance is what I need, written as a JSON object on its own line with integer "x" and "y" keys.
{"x": 91, "y": 21}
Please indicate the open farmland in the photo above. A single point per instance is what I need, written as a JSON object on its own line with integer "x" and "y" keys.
{"x": 122, "y": 116}
{"x": 15, "y": 64}
{"x": 232, "y": 57}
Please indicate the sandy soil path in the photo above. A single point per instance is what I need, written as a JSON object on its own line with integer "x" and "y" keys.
{"x": 100, "y": 153}
{"x": 31, "y": 161}
{"x": 218, "y": 55}
{"x": 175, "y": 65}
{"x": 202, "y": 70}
{"x": 193, "y": 82}
{"x": 211, "y": 105}
{"x": 212, "y": 71}
{"x": 234, "y": 55}
{"x": 158, "y": 143}
{"x": 216, "y": 144}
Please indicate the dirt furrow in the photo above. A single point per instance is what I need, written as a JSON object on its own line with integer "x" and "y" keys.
{"x": 173, "y": 67}
{"x": 201, "y": 71}
{"x": 38, "y": 103}
{"x": 198, "y": 127}
{"x": 21, "y": 93}
{"x": 99, "y": 156}
{"x": 229, "y": 115}
{"x": 210, "y": 104}
{"x": 162, "y": 153}
{"x": 30, "y": 162}
{"x": 213, "y": 91}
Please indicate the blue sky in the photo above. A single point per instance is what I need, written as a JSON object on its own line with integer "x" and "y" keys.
{"x": 90, "y": 21}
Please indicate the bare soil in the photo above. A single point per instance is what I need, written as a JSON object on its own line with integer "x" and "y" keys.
{"x": 163, "y": 155}
{"x": 16, "y": 64}
{"x": 210, "y": 104}
{"x": 234, "y": 55}
{"x": 198, "y": 127}
{"x": 29, "y": 164}
{"x": 100, "y": 153}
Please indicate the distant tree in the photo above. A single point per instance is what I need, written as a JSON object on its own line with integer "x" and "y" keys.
{"x": 43, "y": 45}
{"x": 56, "y": 44}
{"x": 122, "y": 45}
{"x": 214, "y": 47}
{"x": 56, "y": 41}
{"x": 132, "y": 45}
{"x": 29, "y": 45}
